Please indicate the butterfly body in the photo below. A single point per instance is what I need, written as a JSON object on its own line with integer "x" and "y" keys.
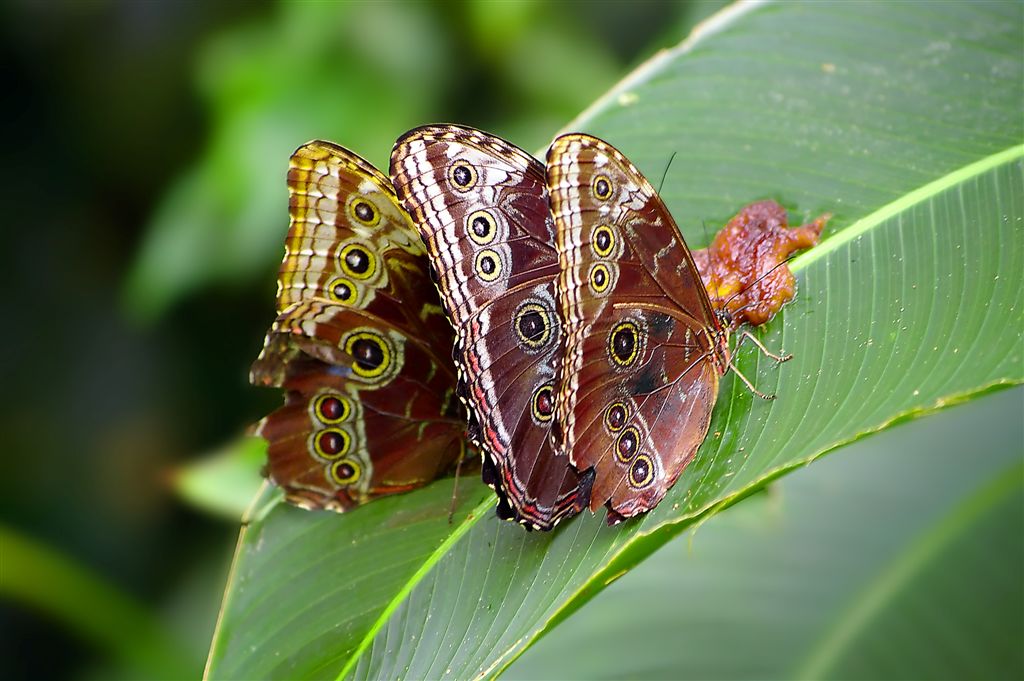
{"x": 644, "y": 348}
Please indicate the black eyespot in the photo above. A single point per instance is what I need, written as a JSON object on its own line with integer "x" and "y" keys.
{"x": 615, "y": 417}
{"x": 626, "y": 445}
{"x": 368, "y": 353}
{"x": 531, "y": 325}
{"x": 342, "y": 291}
{"x": 364, "y": 211}
{"x": 602, "y": 187}
{"x": 599, "y": 278}
{"x": 624, "y": 343}
{"x": 462, "y": 175}
{"x": 481, "y": 226}
{"x": 532, "y": 322}
{"x": 641, "y": 472}
{"x": 488, "y": 264}
{"x": 358, "y": 260}
{"x": 602, "y": 240}
{"x": 344, "y": 470}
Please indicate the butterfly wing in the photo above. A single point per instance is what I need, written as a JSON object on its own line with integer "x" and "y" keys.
{"x": 643, "y": 347}
{"x": 481, "y": 207}
{"x": 350, "y": 242}
{"x": 360, "y": 343}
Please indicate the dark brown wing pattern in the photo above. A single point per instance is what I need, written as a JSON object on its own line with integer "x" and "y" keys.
{"x": 360, "y": 344}
{"x": 481, "y": 207}
{"x": 643, "y": 348}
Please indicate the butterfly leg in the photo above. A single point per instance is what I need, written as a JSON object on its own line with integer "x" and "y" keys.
{"x": 778, "y": 358}
{"x": 749, "y": 384}
{"x": 455, "y": 488}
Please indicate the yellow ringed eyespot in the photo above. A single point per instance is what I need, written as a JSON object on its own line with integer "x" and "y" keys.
{"x": 599, "y": 277}
{"x": 331, "y": 443}
{"x": 626, "y": 444}
{"x": 624, "y": 343}
{"x": 342, "y": 290}
{"x": 462, "y": 176}
{"x": 346, "y": 471}
{"x": 357, "y": 262}
{"x": 615, "y": 416}
{"x": 533, "y": 325}
{"x": 370, "y": 354}
{"x": 602, "y": 187}
{"x": 641, "y": 471}
{"x": 332, "y": 408}
{"x": 488, "y": 265}
{"x": 543, "y": 403}
{"x": 363, "y": 211}
{"x": 602, "y": 240}
{"x": 481, "y": 227}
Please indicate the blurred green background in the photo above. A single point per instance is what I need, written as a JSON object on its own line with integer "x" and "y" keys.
{"x": 144, "y": 183}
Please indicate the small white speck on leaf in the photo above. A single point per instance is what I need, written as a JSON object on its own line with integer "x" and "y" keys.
{"x": 627, "y": 98}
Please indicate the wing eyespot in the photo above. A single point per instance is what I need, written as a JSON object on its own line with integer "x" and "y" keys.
{"x": 342, "y": 290}
{"x": 626, "y": 444}
{"x": 641, "y": 471}
{"x": 363, "y": 211}
{"x": 602, "y": 241}
{"x": 462, "y": 176}
{"x": 602, "y": 188}
{"x": 481, "y": 227}
{"x": 599, "y": 278}
{"x": 543, "y": 403}
{"x": 371, "y": 354}
{"x": 532, "y": 323}
{"x": 487, "y": 265}
{"x": 624, "y": 343}
{"x": 346, "y": 471}
{"x": 357, "y": 261}
{"x": 615, "y": 416}
{"x": 331, "y": 408}
{"x": 331, "y": 443}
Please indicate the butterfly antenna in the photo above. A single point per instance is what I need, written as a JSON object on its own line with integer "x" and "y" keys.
{"x": 665, "y": 174}
{"x": 754, "y": 283}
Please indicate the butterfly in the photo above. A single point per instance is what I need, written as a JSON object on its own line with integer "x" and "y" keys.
{"x": 644, "y": 348}
{"x": 360, "y": 344}
{"x": 481, "y": 206}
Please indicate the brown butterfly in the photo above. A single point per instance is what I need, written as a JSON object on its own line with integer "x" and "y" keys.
{"x": 643, "y": 346}
{"x": 481, "y": 206}
{"x": 360, "y": 344}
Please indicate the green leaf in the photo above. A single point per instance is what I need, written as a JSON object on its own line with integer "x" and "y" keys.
{"x": 903, "y": 123}
{"x": 899, "y": 559}
{"x": 225, "y": 482}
